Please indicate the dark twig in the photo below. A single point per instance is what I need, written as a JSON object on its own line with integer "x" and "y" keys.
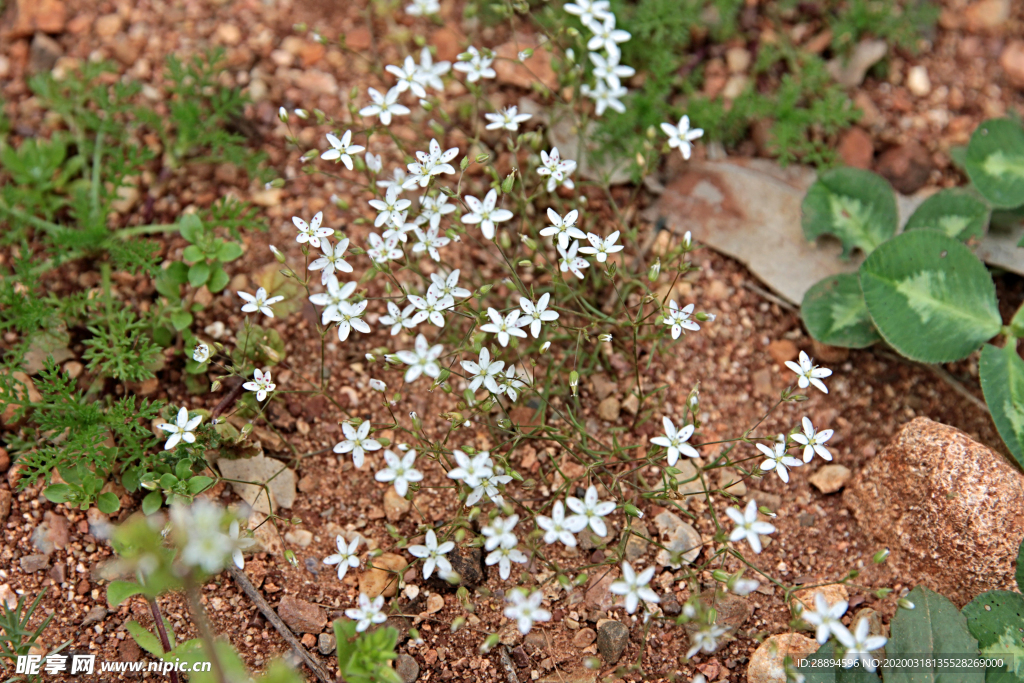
{"x": 228, "y": 401}
{"x": 246, "y": 585}
{"x": 164, "y": 640}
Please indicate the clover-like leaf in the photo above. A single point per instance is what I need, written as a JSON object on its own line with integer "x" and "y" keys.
{"x": 856, "y": 206}
{"x": 955, "y": 212}
{"x": 995, "y": 162}
{"x": 834, "y": 312}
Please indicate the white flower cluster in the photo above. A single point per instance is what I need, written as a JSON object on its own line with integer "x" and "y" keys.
{"x": 604, "y": 54}
{"x": 199, "y": 531}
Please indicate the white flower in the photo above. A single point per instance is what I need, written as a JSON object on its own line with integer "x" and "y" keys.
{"x": 510, "y": 384}
{"x": 602, "y": 247}
{"x": 422, "y": 8}
{"x": 477, "y": 67}
{"x": 383, "y": 250}
{"x": 181, "y": 430}
{"x": 675, "y": 441}
{"x": 484, "y": 372}
{"x": 345, "y": 557}
{"x": 206, "y": 546}
{"x": 448, "y": 286}
{"x": 679, "y": 319}
{"x": 809, "y": 373}
{"x": 588, "y": 10}
{"x": 569, "y": 261}
{"x": 526, "y": 609}
{"x": 261, "y": 384}
{"x": 398, "y": 179}
{"x": 378, "y": 385}
{"x": 748, "y": 527}
{"x": 508, "y": 118}
{"x": 399, "y": 470}
{"x": 536, "y": 313}
{"x": 634, "y": 587}
{"x": 606, "y": 36}
{"x": 591, "y": 510}
{"x": 605, "y": 97}
{"x": 813, "y": 441}
{"x": 311, "y": 232}
{"x": 431, "y": 163}
{"x": 558, "y": 528}
{"x": 745, "y": 586}
{"x": 389, "y": 207}
{"x": 331, "y": 260}
{"x": 260, "y": 302}
{"x": 201, "y": 353}
{"x": 681, "y": 136}
{"x": 825, "y": 619}
{"x": 373, "y": 163}
{"x": 429, "y": 74}
{"x": 608, "y": 68}
{"x": 563, "y": 227}
{"x": 499, "y": 533}
{"x": 349, "y": 319}
{"x": 471, "y": 471}
{"x": 429, "y": 242}
{"x": 335, "y": 295}
{"x": 400, "y": 319}
{"x": 705, "y": 639}
{"x": 503, "y": 327}
{"x": 421, "y": 360}
{"x": 357, "y": 442}
{"x": 504, "y": 557}
{"x": 368, "y": 613}
{"x": 485, "y": 213}
{"x": 408, "y": 77}
{"x": 384, "y": 106}
{"x": 433, "y": 306}
{"x": 434, "y": 555}
{"x": 778, "y": 459}
{"x": 397, "y": 227}
{"x": 557, "y": 171}
{"x": 342, "y": 150}
{"x": 859, "y": 645}
{"x": 433, "y": 209}
{"x": 239, "y": 544}
{"x": 489, "y": 485}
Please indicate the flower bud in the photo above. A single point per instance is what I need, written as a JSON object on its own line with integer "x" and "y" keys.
{"x": 881, "y": 556}
{"x": 302, "y": 114}
{"x": 506, "y": 184}
{"x": 654, "y": 271}
{"x": 277, "y": 253}
{"x": 545, "y": 346}
{"x": 632, "y": 511}
{"x": 905, "y": 604}
{"x": 720, "y": 576}
{"x": 377, "y": 385}
{"x": 282, "y": 114}
{"x": 687, "y": 240}
{"x": 605, "y": 337}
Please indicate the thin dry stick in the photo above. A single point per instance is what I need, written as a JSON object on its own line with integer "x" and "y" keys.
{"x": 243, "y": 581}
{"x": 164, "y": 639}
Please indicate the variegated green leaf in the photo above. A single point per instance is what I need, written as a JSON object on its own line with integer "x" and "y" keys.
{"x": 834, "y": 313}
{"x": 995, "y": 162}
{"x": 954, "y": 212}
{"x": 1002, "y": 381}
{"x": 856, "y": 206}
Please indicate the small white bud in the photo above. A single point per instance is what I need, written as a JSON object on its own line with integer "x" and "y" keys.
{"x": 378, "y": 385}
{"x": 302, "y": 114}
{"x": 282, "y": 114}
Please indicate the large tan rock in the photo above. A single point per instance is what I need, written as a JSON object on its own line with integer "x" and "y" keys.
{"x": 950, "y": 510}
{"x": 767, "y": 664}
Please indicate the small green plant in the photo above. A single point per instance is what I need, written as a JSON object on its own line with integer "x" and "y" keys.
{"x": 923, "y": 291}
{"x": 17, "y": 637}
{"x": 363, "y": 657}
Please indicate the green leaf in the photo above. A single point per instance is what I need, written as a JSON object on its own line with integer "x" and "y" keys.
{"x": 198, "y": 484}
{"x": 954, "y": 212}
{"x": 996, "y": 619}
{"x": 146, "y": 639}
{"x": 228, "y": 251}
{"x": 198, "y": 274}
{"x": 58, "y": 493}
{"x": 193, "y": 254}
{"x": 1002, "y": 381}
{"x": 1020, "y": 567}
{"x": 181, "y": 320}
{"x": 837, "y": 674}
{"x": 108, "y": 503}
{"x": 930, "y": 297}
{"x": 218, "y": 280}
{"x": 152, "y": 502}
{"x": 933, "y": 627}
{"x": 191, "y": 227}
{"x": 119, "y": 591}
{"x": 344, "y": 635}
{"x": 995, "y": 162}
{"x": 834, "y": 312}
{"x": 1017, "y": 323}
{"x": 856, "y": 206}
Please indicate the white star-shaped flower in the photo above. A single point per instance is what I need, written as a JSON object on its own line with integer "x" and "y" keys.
{"x": 201, "y": 353}
{"x": 384, "y": 106}
{"x": 422, "y": 360}
{"x": 748, "y": 526}
{"x": 429, "y": 242}
{"x": 311, "y": 232}
{"x": 484, "y": 372}
{"x": 429, "y": 74}
{"x": 508, "y": 118}
{"x": 681, "y": 136}
{"x": 634, "y": 587}
{"x": 345, "y": 557}
{"x": 675, "y": 441}
{"x": 373, "y": 163}
{"x": 562, "y": 228}
{"x": 679, "y": 319}
{"x": 389, "y": 207}
{"x": 499, "y": 533}
{"x": 588, "y": 10}
{"x": 569, "y": 261}
{"x": 181, "y": 430}
{"x": 602, "y": 247}
{"x": 485, "y": 213}
{"x": 809, "y": 373}
{"x": 606, "y": 36}
{"x": 408, "y": 77}
{"x": 608, "y": 68}
{"x": 489, "y": 485}
{"x": 534, "y": 314}
{"x": 357, "y": 442}
{"x": 825, "y": 618}
{"x": 860, "y": 645}
{"x": 503, "y": 327}
{"x": 431, "y": 163}
{"x": 398, "y": 179}
{"x": 478, "y": 66}
{"x": 348, "y": 318}
{"x": 261, "y": 384}
{"x": 511, "y": 384}
{"x": 471, "y": 471}
{"x": 556, "y": 171}
{"x": 383, "y": 250}
{"x": 423, "y": 8}
{"x": 331, "y": 260}
{"x": 259, "y": 302}
{"x": 434, "y": 555}
{"x": 448, "y": 286}
{"x": 558, "y": 528}
{"x": 335, "y": 295}
{"x": 504, "y": 557}
{"x": 239, "y": 543}
{"x": 433, "y": 306}
{"x": 778, "y": 459}
{"x": 592, "y": 510}
{"x": 705, "y": 639}
{"x": 400, "y": 470}
{"x": 400, "y": 319}
{"x": 526, "y": 609}
{"x": 814, "y": 441}
{"x": 433, "y": 209}
{"x": 605, "y": 97}
{"x": 368, "y": 612}
{"x": 341, "y": 150}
